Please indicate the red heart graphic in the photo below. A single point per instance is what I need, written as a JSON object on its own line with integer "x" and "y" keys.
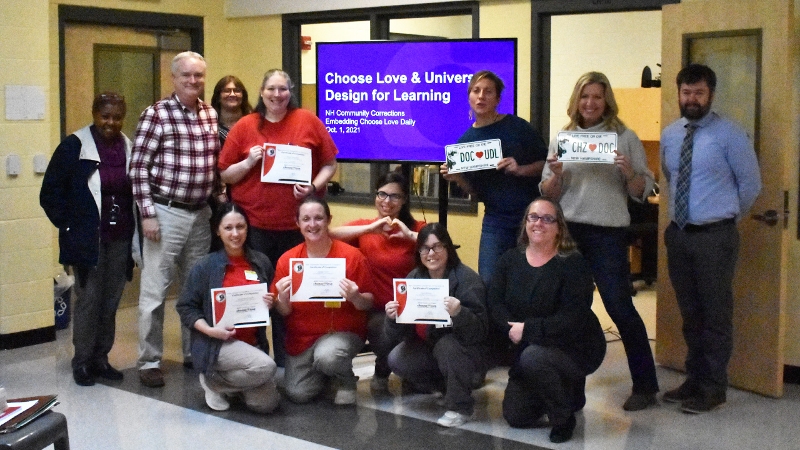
{"x": 592, "y": 147}
{"x": 479, "y": 154}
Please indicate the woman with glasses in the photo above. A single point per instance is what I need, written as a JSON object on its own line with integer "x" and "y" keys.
{"x": 388, "y": 242}
{"x": 87, "y": 195}
{"x": 449, "y": 360}
{"x": 271, "y": 207}
{"x": 231, "y": 103}
{"x": 541, "y": 297}
{"x": 595, "y": 201}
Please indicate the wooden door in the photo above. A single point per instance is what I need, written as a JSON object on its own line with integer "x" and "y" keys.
{"x": 760, "y": 283}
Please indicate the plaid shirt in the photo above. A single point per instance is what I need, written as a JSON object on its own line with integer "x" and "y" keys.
{"x": 175, "y": 154}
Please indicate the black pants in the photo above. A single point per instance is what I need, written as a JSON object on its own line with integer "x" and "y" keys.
{"x": 274, "y": 244}
{"x": 701, "y": 268}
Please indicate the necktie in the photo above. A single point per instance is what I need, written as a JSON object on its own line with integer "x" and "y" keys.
{"x": 684, "y": 178}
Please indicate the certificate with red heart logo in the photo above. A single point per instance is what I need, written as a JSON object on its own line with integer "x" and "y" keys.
{"x": 286, "y": 164}
{"x": 588, "y": 147}
{"x": 472, "y": 156}
{"x": 316, "y": 279}
{"x": 422, "y": 300}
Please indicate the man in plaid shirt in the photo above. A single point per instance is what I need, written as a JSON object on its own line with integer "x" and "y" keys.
{"x": 173, "y": 172}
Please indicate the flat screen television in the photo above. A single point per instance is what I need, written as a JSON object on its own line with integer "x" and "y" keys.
{"x": 403, "y": 101}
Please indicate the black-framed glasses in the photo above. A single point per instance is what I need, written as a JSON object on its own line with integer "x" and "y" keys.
{"x": 437, "y": 248}
{"x": 232, "y": 91}
{"x": 392, "y": 197}
{"x": 547, "y": 218}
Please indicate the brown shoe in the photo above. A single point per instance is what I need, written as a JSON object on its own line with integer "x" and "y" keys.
{"x": 152, "y": 377}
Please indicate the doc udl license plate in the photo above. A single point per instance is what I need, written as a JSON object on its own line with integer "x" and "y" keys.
{"x": 581, "y": 146}
{"x": 472, "y": 156}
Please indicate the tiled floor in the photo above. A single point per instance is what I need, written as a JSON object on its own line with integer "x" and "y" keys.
{"x": 128, "y": 416}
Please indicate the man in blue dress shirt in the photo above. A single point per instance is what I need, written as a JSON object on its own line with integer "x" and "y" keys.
{"x": 713, "y": 177}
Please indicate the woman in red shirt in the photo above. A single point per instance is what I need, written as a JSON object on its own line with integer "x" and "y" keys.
{"x": 229, "y": 360}
{"x": 322, "y": 338}
{"x": 389, "y": 244}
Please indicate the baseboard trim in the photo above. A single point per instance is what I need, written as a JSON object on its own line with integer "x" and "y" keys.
{"x": 26, "y": 338}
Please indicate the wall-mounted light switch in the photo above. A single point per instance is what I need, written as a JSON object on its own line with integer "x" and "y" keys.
{"x": 13, "y": 165}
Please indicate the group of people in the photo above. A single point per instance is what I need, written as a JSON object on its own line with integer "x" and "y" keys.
{"x": 528, "y": 306}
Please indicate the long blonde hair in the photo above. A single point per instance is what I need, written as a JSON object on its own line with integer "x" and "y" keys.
{"x": 610, "y": 119}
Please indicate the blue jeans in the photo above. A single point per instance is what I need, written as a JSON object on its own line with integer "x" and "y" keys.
{"x": 495, "y": 240}
{"x": 606, "y": 250}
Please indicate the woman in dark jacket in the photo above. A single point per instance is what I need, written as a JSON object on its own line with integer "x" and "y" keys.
{"x": 230, "y": 360}
{"x": 87, "y": 195}
{"x": 452, "y": 359}
{"x": 541, "y": 297}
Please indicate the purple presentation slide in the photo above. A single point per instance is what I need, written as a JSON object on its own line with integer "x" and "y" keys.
{"x": 405, "y": 100}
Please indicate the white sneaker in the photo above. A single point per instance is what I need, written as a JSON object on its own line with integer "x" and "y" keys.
{"x": 214, "y": 400}
{"x": 379, "y": 384}
{"x": 452, "y": 419}
{"x": 345, "y": 397}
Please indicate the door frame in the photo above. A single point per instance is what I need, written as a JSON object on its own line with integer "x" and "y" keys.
{"x": 541, "y": 13}
{"x": 70, "y": 15}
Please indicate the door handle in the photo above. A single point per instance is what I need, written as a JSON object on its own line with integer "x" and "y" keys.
{"x": 770, "y": 217}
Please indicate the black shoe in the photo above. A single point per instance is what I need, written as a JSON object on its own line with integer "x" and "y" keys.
{"x": 83, "y": 376}
{"x": 638, "y": 402}
{"x": 104, "y": 370}
{"x": 563, "y": 433}
{"x": 187, "y": 364}
{"x": 682, "y": 393}
{"x": 151, "y": 377}
{"x": 702, "y": 404}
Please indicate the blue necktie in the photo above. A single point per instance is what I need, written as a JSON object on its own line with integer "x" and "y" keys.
{"x": 684, "y": 178}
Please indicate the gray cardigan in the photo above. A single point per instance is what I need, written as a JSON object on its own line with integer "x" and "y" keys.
{"x": 470, "y": 325}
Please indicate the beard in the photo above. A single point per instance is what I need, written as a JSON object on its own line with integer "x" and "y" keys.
{"x": 694, "y": 111}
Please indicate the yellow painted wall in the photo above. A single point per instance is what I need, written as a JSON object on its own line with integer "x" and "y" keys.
{"x": 26, "y": 292}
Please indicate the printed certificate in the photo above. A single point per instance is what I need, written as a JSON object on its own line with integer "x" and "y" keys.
{"x": 471, "y": 156}
{"x": 422, "y": 301}
{"x": 240, "y": 306}
{"x": 581, "y": 146}
{"x": 286, "y": 164}
{"x": 317, "y": 279}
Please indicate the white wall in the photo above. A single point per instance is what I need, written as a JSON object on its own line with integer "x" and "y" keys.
{"x": 617, "y": 44}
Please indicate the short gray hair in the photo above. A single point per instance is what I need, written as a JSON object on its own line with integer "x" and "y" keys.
{"x": 184, "y": 55}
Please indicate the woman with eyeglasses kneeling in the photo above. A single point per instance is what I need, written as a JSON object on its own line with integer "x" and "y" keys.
{"x": 450, "y": 359}
{"x": 541, "y": 296}
{"x": 389, "y": 244}
{"x": 322, "y": 338}
{"x": 230, "y": 360}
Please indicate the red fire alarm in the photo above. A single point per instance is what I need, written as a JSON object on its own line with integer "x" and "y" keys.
{"x": 305, "y": 42}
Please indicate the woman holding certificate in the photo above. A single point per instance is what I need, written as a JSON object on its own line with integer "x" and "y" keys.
{"x": 449, "y": 359}
{"x": 507, "y": 190}
{"x": 272, "y": 206}
{"x": 230, "y": 360}
{"x": 389, "y": 244}
{"x": 325, "y": 308}
{"x": 595, "y": 201}
{"x": 541, "y": 297}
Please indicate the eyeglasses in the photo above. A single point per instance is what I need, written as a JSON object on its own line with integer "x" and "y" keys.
{"x": 437, "y": 248}
{"x": 232, "y": 91}
{"x": 547, "y": 218}
{"x": 392, "y": 197}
